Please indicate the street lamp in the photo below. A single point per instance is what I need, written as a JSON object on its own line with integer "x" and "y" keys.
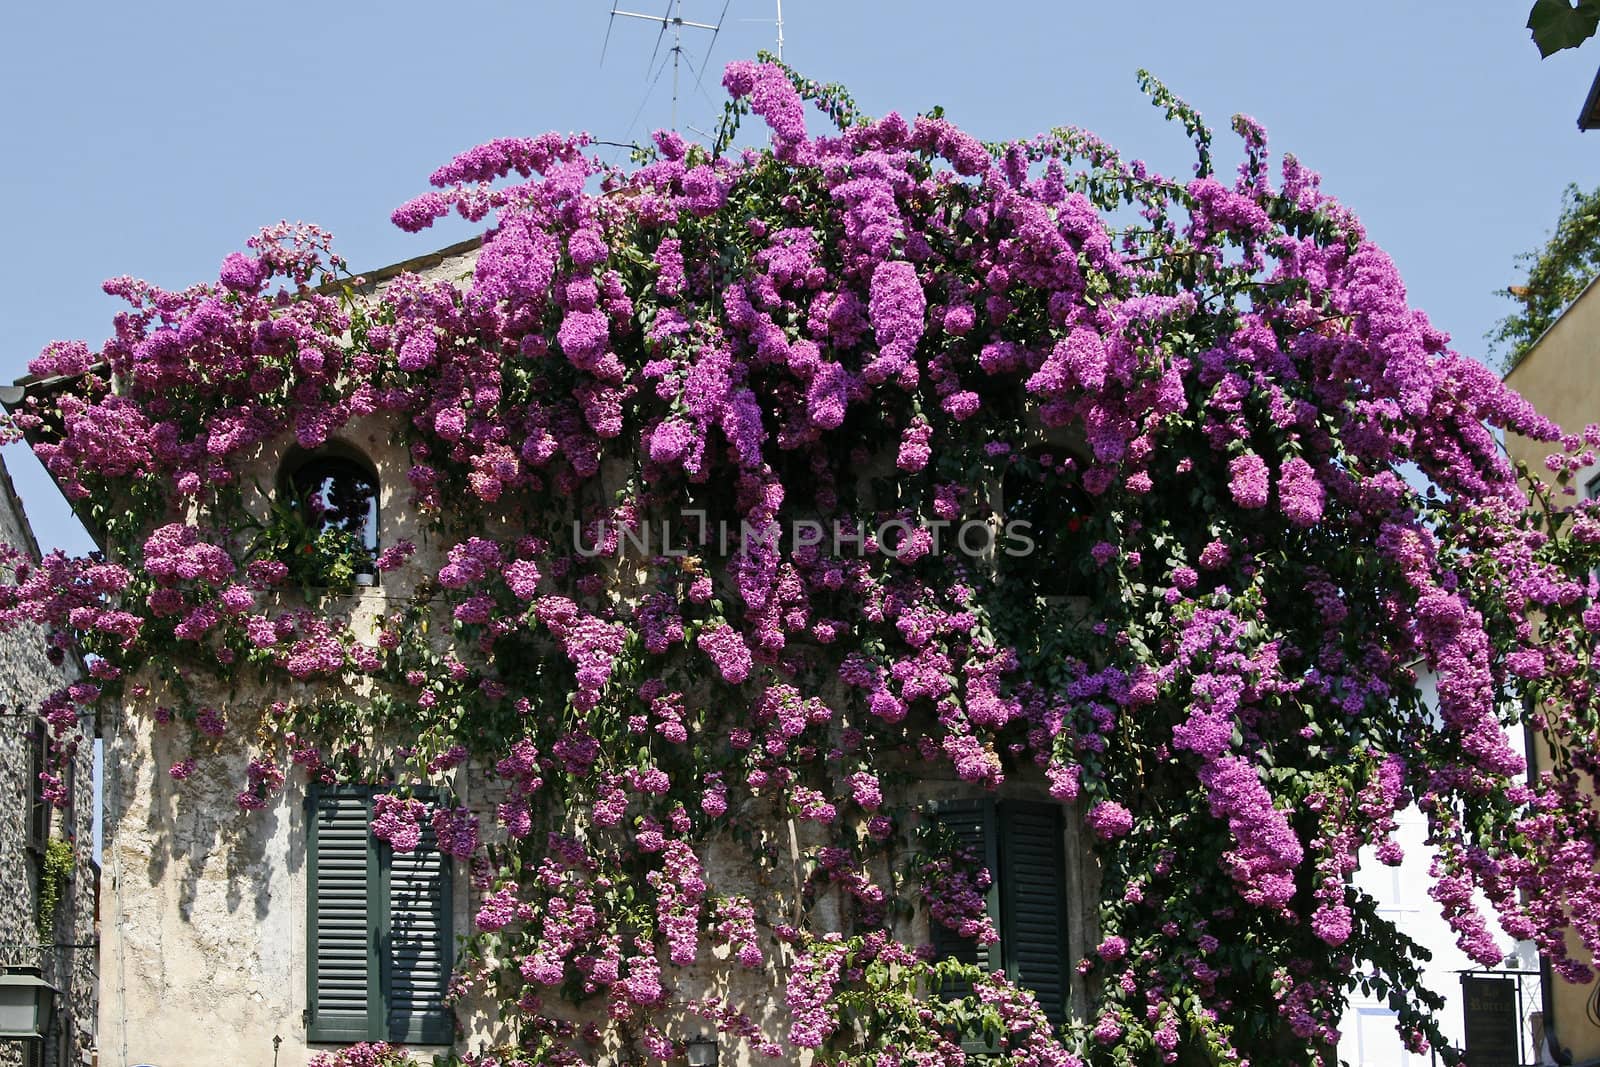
{"x": 27, "y": 1003}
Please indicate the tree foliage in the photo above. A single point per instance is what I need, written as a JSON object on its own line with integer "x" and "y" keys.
{"x": 1557, "y": 273}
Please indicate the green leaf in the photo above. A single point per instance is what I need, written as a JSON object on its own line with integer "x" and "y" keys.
{"x": 1557, "y": 24}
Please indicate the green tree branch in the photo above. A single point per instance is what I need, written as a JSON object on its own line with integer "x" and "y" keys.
{"x": 1557, "y": 274}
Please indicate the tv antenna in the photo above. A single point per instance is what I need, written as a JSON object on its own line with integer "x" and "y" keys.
{"x": 779, "y": 21}
{"x": 672, "y": 19}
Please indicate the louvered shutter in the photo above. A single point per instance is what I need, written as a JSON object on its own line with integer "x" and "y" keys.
{"x": 972, "y": 822}
{"x": 1033, "y": 902}
{"x": 341, "y": 964}
{"x": 1023, "y": 846}
{"x": 417, "y": 944}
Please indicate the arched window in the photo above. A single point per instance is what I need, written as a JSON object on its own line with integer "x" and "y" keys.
{"x": 325, "y": 519}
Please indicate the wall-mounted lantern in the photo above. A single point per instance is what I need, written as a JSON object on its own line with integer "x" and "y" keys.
{"x": 27, "y": 1004}
{"x": 701, "y": 1051}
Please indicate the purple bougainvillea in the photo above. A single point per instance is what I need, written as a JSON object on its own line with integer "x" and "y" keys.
{"x": 709, "y": 451}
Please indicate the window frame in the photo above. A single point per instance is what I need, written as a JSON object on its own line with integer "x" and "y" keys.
{"x": 38, "y": 828}
{"x": 434, "y": 1030}
{"x": 332, "y": 454}
{"x": 1006, "y": 496}
{"x": 996, "y": 816}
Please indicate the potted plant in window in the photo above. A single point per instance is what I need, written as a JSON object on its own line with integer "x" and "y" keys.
{"x": 318, "y": 548}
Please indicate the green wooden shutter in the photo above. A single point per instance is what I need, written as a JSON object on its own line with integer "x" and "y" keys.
{"x": 417, "y": 945}
{"x": 340, "y": 961}
{"x": 1033, "y": 903}
{"x": 973, "y": 824}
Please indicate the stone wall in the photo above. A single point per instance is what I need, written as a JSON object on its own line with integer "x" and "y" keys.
{"x": 67, "y": 958}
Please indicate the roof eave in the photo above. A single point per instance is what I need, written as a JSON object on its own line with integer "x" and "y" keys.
{"x": 1589, "y": 117}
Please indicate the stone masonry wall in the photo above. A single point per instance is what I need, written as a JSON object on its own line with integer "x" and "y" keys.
{"x": 67, "y": 959}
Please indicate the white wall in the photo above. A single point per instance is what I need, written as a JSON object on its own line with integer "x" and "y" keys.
{"x": 1368, "y": 1037}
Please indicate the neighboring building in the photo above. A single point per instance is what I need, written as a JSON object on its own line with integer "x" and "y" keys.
{"x": 1589, "y": 116}
{"x": 1560, "y": 376}
{"x": 45, "y": 852}
{"x": 1368, "y": 1035}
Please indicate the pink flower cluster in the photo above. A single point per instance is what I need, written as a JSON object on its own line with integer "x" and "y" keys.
{"x": 398, "y": 820}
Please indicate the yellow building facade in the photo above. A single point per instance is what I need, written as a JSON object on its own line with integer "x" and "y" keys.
{"x": 1560, "y": 376}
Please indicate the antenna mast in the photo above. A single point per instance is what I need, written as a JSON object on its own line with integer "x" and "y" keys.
{"x": 779, "y": 22}
{"x": 673, "y": 20}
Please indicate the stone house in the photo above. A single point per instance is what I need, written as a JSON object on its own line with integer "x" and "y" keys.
{"x": 48, "y": 918}
{"x": 271, "y": 935}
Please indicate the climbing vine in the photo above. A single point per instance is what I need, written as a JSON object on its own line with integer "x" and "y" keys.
{"x": 54, "y": 874}
{"x": 708, "y": 461}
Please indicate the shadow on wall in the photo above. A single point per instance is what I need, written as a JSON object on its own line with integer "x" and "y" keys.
{"x": 194, "y": 823}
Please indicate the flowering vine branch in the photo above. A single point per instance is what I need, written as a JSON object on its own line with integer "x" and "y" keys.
{"x": 891, "y": 323}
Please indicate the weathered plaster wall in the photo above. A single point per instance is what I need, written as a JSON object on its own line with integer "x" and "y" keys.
{"x": 67, "y": 961}
{"x": 205, "y": 940}
{"x": 210, "y": 950}
{"x": 205, "y": 905}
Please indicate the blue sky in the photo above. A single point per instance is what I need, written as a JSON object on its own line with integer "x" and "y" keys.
{"x": 153, "y": 139}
